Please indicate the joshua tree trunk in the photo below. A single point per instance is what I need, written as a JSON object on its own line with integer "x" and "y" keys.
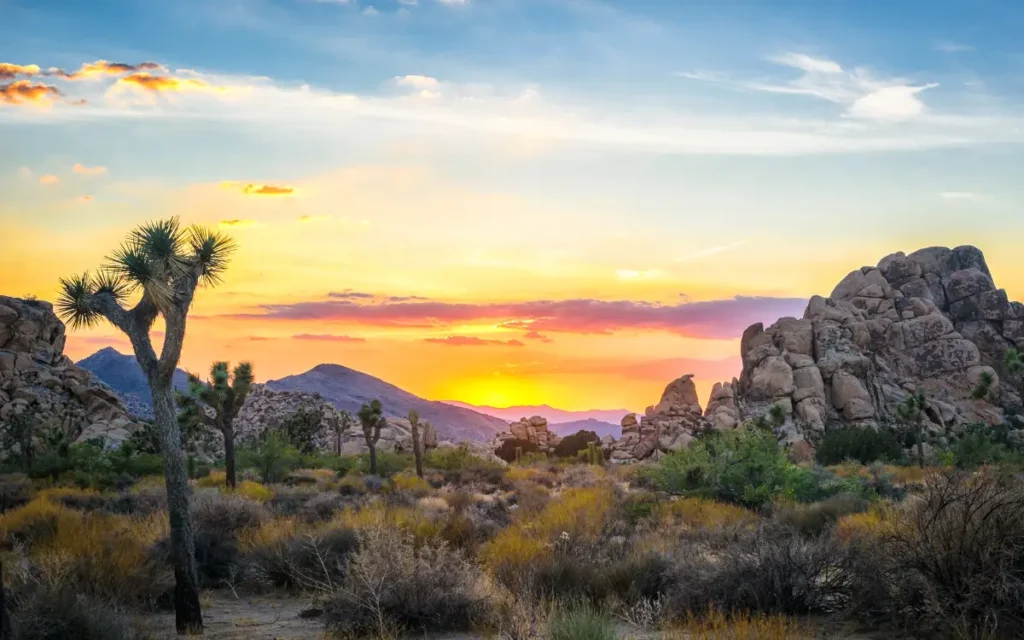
{"x": 188, "y": 616}
{"x": 417, "y": 450}
{"x": 920, "y": 445}
{"x": 229, "y": 455}
{"x": 5, "y": 631}
{"x": 373, "y": 459}
{"x": 337, "y": 442}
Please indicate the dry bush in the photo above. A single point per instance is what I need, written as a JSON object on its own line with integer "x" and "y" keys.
{"x": 291, "y": 553}
{"x": 770, "y": 569}
{"x": 410, "y": 483}
{"x": 227, "y": 512}
{"x": 15, "y": 491}
{"x": 703, "y": 513}
{"x": 812, "y": 519}
{"x": 213, "y": 480}
{"x": 353, "y": 484}
{"x": 253, "y": 491}
{"x": 543, "y": 477}
{"x": 39, "y": 612}
{"x": 583, "y": 475}
{"x": 395, "y": 585}
{"x": 291, "y": 501}
{"x": 715, "y": 625}
{"x": 951, "y": 564}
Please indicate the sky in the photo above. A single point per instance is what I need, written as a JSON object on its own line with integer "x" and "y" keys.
{"x": 506, "y": 202}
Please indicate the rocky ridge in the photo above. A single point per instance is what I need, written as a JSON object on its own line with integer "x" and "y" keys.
{"x": 933, "y": 319}
{"x": 533, "y": 430}
{"x": 265, "y": 408}
{"x": 37, "y": 379}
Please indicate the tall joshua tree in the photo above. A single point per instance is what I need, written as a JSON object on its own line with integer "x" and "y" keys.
{"x": 371, "y": 417}
{"x": 164, "y": 263}
{"x": 911, "y": 413}
{"x": 417, "y": 448}
{"x": 225, "y": 393}
{"x": 339, "y": 423}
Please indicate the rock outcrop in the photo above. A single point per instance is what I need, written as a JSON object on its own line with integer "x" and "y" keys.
{"x": 533, "y": 430}
{"x": 38, "y": 380}
{"x": 933, "y": 319}
{"x": 265, "y": 409}
{"x": 668, "y": 426}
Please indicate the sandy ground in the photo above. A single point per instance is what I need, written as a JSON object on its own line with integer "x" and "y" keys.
{"x": 280, "y": 617}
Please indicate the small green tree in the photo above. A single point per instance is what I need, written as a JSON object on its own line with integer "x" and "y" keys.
{"x": 340, "y": 422}
{"x": 224, "y": 394}
{"x": 1013, "y": 360}
{"x": 272, "y": 458}
{"x": 911, "y": 414}
{"x": 371, "y": 417}
{"x": 301, "y": 427}
{"x": 417, "y": 449}
{"x": 983, "y": 389}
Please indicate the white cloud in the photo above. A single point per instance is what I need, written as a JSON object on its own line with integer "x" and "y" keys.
{"x": 953, "y": 47}
{"x": 475, "y": 114}
{"x": 453, "y": 3}
{"x": 24, "y": 173}
{"x": 636, "y": 274}
{"x": 890, "y": 103}
{"x": 370, "y": 11}
{"x": 807, "y": 63}
{"x": 417, "y": 82}
{"x": 963, "y": 195}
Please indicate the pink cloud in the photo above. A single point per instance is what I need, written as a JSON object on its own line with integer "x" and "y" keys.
{"x": 722, "y": 319}
{"x": 473, "y": 341}
{"x": 323, "y": 337}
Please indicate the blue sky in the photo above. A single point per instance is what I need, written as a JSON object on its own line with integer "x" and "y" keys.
{"x": 491, "y": 150}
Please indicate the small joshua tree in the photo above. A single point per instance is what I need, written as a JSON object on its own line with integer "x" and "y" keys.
{"x": 165, "y": 263}
{"x": 340, "y": 422}
{"x": 225, "y": 394}
{"x": 371, "y": 417}
{"x": 1013, "y": 360}
{"x": 911, "y": 414}
{"x": 417, "y": 448}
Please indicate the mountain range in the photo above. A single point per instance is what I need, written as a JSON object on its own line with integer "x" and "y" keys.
{"x": 343, "y": 387}
{"x": 599, "y": 427}
{"x": 551, "y": 414}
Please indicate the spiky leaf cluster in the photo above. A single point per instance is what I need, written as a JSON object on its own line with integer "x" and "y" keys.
{"x": 160, "y": 259}
{"x": 224, "y": 393}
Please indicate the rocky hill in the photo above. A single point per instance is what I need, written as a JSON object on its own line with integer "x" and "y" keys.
{"x": 553, "y": 415}
{"x": 349, "y": 389}
{"x": 599, "y": 427}
{"x": 933, "y": 319}
{"x": 38, "y": 380}
{"x": 123, "y": 374}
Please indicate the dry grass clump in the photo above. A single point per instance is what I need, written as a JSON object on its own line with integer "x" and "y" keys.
{"x": 543, "y": 477}
{"x": 410, "y": 483}
{"x": 287, "y": 552}
{"x": 812, "y": 519}
{"x": 396, "y": 586}
{"x": 703, "y": 513}
{"x": 39, "y": 612}
{"x": 716, "y": 625}
{"x": 15, "y": 490}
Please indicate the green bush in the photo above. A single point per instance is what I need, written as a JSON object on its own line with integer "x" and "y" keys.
{"x": 273, "y": 458}
{"x": 388, "y": 463}
{"x": 512, "y": 449}
{"x": 581, "y": 624}
{"x": 982, "y": 444}
{"x": 745, "y": 467}
{"x": 864, "y": 445}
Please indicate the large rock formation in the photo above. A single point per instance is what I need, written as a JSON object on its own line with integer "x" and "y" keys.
{"x": 668, "y": 426}
{"x": 265, "y": 409}
{"x": 38, "y": 380}
{"x": 932, "y": 319}
{"x": 534, "y": 430}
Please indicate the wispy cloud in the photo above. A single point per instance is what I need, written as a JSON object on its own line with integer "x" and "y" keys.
{"x": 89, "y": 171}
{"x": 323, "y": 337}
{"x": 963, "y": 195}
{"x": 723, "y": 319}
{"x": 267, "y": 190}
{"x": 953, "y": 47}
{"x": 28, "y": 94}
{"x": 238, "y": 223}
{"x": 48, "y": 179}
{"x": 9, "y": 70}
{"x": 473, "y": 341}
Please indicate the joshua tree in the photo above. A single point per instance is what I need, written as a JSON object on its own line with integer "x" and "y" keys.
{"x": 417, "y": 448}
{"x": 301, "y": 428}
{"x": 1013, "y": 360}
{"x": 911, "y": 413}
{"x": 165, "y": 263}
{"x": 340, "y": 422}
{"x": 225, "y": 393}
{"x": 371, "y": 416}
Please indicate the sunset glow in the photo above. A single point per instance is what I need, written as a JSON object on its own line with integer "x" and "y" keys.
{"x": 574, "y": 220}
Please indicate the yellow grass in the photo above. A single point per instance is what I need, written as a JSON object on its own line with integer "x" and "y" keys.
{"x": 531, "y": 474}
{"x": 353, "y": 482}
{"x": 410, "y": 520}
{"x": 36, "y": 521}
{"x": 513, "y": 546}
{"x": 270, "y": 533}
{"x": 406, "y": 481}
{"x": 702, "y": 513}
{"x": 213, "y": 480}
{"x": 873, "y": 522}
{"x": 717, "y": 626}
{"x": 253, "y": 491}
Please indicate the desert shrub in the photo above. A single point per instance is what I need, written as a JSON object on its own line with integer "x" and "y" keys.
{"x": 571, "y": 445}
{"x": 583, "y": 476}
{"x": 513, "y": 449}
{"x": 353, "y": 484}
{"x": 253, "y": 491}
{"x": 703, "y": 513}
{"x": 388, "y": 463}
{"x": 453, "y": 459}
{"x": 745, "y": 466}
{"x": 770, "y": 569}
{"x": 982, "y": 444}
{"x": 287, "y": 553}
{"x": 322, "y": 507}
{"x": 715, "y": 625}
{"x": 543, "y": 477}
{"x": 272, "y": 458}
{"x": 639, "y": 506}
{"x": 34, "y": 522}
{"x": 291, "y": 501}
{"x": 813, "y": 519}
{"x": 228, "y": 512}
{"x": 581, "y": 624}
{"x": 40, "y": 612}
{"x": 15, "y": 490}
{"x": 395, "y": 586}
{"x": 864, "y": 445}
{"x": 953, "y": 562}
{"x": 410, "y": 483}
